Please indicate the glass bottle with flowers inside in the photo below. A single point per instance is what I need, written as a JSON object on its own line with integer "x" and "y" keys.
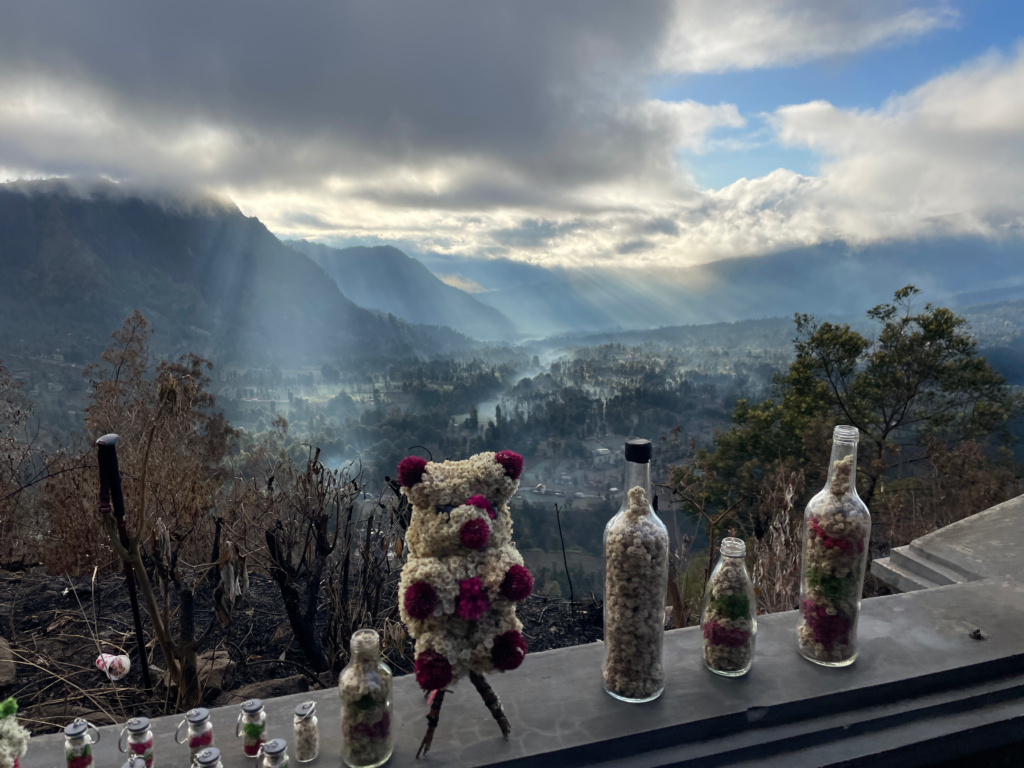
{"x": 636, "y": 582}
{"x": 729, "y": 618}
{"x": 366, "y": 708}
{"x": 836, "y": 533}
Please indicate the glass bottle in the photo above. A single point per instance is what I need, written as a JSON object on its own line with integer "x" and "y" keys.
{"x": 140, "y": 739}
{"x": 365, "y": 689}
{"x": 78, "y": 743}
{"x": 636, "y": 582}
{"x": 274, "y": 754}
{"x": 729, "y": 618}
{"x": 252, "y": 726}
{"x": 837, "y": 530}
{"x": 208, "y": 758}
{"x": 200, "y": 731}
{"x": 307, "y": 732}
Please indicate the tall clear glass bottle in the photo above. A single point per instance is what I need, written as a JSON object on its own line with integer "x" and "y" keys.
{"x": 836, "y": 533}
{"x": 366, "y": 709}
{"x": 729, "y": 618}
{"x": 635, "y": 586}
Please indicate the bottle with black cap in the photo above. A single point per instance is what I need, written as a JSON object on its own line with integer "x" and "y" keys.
{"x": 636, "y": 583}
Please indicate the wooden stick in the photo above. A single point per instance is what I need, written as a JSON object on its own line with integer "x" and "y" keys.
{"x": 492, "y": 701}
{"x": 433, "y": 716}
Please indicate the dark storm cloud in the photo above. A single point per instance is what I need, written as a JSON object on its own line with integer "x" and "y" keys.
{"x": 298, "y": 88}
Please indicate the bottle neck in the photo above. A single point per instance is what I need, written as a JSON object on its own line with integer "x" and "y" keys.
{"x": 638, "y": 475}
{"x": 842, "y": 468}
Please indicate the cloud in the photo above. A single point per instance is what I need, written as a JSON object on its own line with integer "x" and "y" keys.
{"x": 462, "y": 283}
{"x": 517, "y": 132}
{"x": 952, "y": 146}
{"x": 734, "y": 34}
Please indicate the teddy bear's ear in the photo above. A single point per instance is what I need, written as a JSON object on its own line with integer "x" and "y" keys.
{"x": 511, "y": 461}
{"x": 411, "y": 469}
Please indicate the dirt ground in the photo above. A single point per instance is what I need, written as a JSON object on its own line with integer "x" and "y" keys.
{"x": 56, "y": 628}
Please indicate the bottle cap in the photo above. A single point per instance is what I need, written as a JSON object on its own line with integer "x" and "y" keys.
{"x": 639, "y": 450}
{"x": 305, "y": 709}
{"x": 76, "y": 728}
{"x": 197, "y": 716}
{"x": 138, "y": 725}
{"x": 274, "y": 747}
{"x": 252, "y": 706}
{"x": 209, "y": 756}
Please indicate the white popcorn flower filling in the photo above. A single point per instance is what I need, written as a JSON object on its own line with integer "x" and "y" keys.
{"x": 635, "y": 585}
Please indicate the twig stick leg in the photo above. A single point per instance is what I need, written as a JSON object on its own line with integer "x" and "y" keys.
{"x": 433, "y": 716}
{"x": 492, "y": 701}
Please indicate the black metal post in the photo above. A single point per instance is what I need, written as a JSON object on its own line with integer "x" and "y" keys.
{"x": 112, "y": 500}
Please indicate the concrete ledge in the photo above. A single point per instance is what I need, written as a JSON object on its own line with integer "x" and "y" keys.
{"x": 918, "y": 667}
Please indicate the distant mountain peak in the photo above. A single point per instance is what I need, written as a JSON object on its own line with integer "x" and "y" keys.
{"x": 386, "y": 278}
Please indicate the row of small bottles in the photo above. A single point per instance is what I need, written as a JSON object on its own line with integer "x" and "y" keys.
{"x": 366, "y": 722}
{"x": 137, "y": 738}
{"x": 835, "y": 537}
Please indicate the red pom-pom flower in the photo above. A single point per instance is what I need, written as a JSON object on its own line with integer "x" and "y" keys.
{"x": 511, "y": 461}
{"x": 473, "y": 602}
{"x": 509, "y": 650}
{"x": 433, "y": 672}
{"x": 410, "y": 470}
{"x": 480, "y": 502}
{"x": 474, "y": 534}
{"x": 517, "y": 584}
{"x": 420, "y": 600}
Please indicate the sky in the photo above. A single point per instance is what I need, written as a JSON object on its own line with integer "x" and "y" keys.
{"x": 537, "y": 135}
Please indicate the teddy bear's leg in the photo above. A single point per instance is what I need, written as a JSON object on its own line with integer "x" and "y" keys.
{"x": 492, "y": 701}
{"x": 433, "y": 716}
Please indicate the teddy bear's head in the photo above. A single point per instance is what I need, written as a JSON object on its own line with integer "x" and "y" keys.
{"x": 459, "y": 506}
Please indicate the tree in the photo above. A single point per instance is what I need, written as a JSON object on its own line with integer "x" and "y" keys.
{"x": 917, "y": 391}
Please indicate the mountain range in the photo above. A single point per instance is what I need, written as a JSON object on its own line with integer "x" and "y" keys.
{"x": 384, "y": 278}
{"x": 77, "y": 258}
{"x": 832, "y": 278}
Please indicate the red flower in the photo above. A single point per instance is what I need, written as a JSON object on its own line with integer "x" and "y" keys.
{"x": 410, "y": 470}
{"x": 511, "y": 461}
{"x": 420, "y": 600}
{"x": 203, "y": 740}
{"x": 473, "y": 602}
{"x": 509, "y": 650}
{"x": 252, "y": 749}
{"x": 480, "y": 502}
{"x": 433, "y": 671}
{"x": 716, "y": 634}
{"x": 474, "y": 534}
{"x": 517, "y": 584}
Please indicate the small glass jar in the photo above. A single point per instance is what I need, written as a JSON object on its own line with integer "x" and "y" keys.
{"x": 274, "y": 753}
{"x": 729, "y": 618}
{"x": 366, "y": 710}
{"x": 252, "y": 726}
{"x": 78, "y": 743}
{"x": 200, "y": 731}
{"x": 134, "y": 761}
{"x": 208, "y": 758}
{"x": 307, "y": 732}
{"x": 635, "y": 587}
{"x": 140, "y": 739}
{"x": 836, "y": 534}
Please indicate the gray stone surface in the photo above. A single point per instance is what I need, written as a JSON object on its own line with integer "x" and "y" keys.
{"x": 918, "y": 669}
{"x": 989, "y": 544}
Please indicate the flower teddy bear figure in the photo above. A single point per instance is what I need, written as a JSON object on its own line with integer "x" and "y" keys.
{"x": 464, "y": 576}
{"x": 13, "y": 738}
